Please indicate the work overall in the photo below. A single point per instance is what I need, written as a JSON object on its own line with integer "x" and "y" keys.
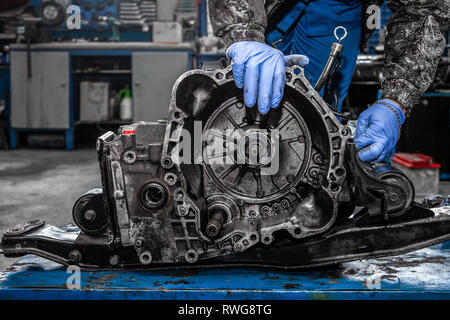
{"x": 308, "y": 29}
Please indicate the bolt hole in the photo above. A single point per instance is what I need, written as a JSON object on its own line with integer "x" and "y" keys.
{"x": 297, "y": 231}
{"x": 334, "y": 187}
{"x": 167, "y": 162}
{"x": 191, "y": 256}
{"x": 253, "y": 237}
{"x": 145, "y": 257}
{"x": 177, "y": 115}
{"x": 339, "y": 172}
{"x": 212, "y": 230}
{"x": 129, "y": 157}
{"x": 285, "y": 204}
{"x": 170, "y": 179}
{"x": 266, "y": 239}
{"x": 288, "y": 77}
{"x": 153, "y": 196}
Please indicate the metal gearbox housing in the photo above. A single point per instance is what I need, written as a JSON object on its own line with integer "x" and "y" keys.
{"x": 172, "y": 202}
{"x": 255, "y": 206}
{"x": 217, "y": 183}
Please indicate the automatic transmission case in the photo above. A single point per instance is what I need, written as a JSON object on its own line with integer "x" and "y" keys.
{"x": 181, "y": 205}
{"x": 217, "y": 183}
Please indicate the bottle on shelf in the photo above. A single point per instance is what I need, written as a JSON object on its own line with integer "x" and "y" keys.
{"x": 126, "y": 104}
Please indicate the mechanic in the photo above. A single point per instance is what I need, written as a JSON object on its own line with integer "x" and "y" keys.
{"x": 302, "y": 32}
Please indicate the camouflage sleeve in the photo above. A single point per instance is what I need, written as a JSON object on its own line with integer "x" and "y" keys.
{"x": 415, "y": 42}
{"x": 238, "y": 20}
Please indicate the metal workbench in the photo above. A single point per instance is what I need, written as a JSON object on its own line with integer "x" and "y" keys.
{"x": 424, "y": 274}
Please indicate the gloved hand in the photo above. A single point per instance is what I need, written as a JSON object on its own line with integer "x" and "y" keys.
{"x": 378, "y": 129}
{"x": 260, "y": 69}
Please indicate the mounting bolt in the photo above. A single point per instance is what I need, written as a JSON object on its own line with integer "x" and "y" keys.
{"x": 114, "y": 260}
{"x": 290, "y": 178}
{"x": 314, "y": 172}
{"x": 191, "y": 256}
{"x": 317, "y": 158}
{"x": 74, "y": 256}
{"x": 393, "y": 196}
{"x": 301, "y": 139}
{"x": 145, "y": 257}
{"x": 139, "y": 242}
{"x": 90, "y": 215}
{"x": 252, "y": 213}
{"x": 182, "y": 211}
{"x": 265, "y": 210}
{"x": 276, "y": 207}
{"x": 285, "y": 203}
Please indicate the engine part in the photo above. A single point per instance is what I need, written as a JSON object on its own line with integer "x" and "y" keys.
{"x": 218, "y": 184}
{"x": 52, "y": 13}
{"x": 89, "y": 212}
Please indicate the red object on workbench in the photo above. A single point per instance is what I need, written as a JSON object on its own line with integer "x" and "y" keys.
{"x": 415, "y": 160}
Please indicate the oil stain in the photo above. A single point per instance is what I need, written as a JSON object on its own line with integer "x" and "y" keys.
{"x": 181, "y": 281}
{"x": 289, "y": 286}
{"x": 270, "y": 278}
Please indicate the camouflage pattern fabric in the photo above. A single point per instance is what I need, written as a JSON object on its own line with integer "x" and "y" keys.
{"x": 414, "y": 43}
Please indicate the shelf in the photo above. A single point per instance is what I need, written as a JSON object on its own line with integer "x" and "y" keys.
{"x": 110, "y": 72}
{"x": 104, "y": 122}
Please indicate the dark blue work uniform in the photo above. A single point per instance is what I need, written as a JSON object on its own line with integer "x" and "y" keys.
{"x": 308, "y": 29}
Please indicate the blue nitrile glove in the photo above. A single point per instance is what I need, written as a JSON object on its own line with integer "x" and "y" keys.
{"x": 260, "y": 69}
{"x": 377, "y": 130}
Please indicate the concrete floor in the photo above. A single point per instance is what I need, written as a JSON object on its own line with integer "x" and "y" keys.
{"x": 45, "y": 184}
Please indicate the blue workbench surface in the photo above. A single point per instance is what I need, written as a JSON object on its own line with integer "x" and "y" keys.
{"x": 424, "y": 274}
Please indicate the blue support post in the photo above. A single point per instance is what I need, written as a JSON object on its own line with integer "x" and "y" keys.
{"x": 202, "y": 13}
{"x": 69, "y": 139}
{"x": 12, "y": 138}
